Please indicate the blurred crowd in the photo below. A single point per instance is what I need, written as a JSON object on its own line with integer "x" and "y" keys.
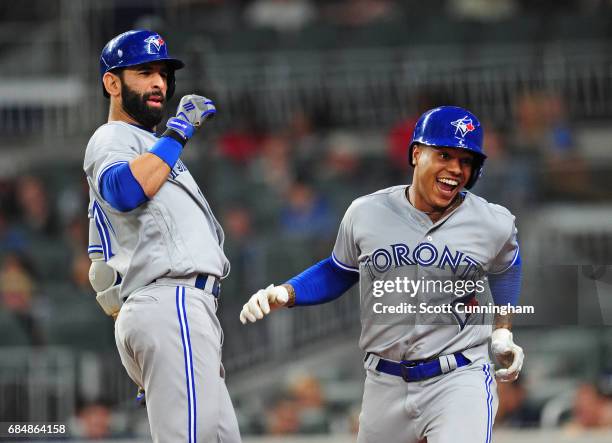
{"x": 292, "y": 15}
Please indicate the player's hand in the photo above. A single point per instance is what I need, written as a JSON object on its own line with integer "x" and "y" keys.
{"x": 110, "y": 301}
{"x": 507, "y": 353}
{"x": 262, "y": 302}
{"x": 192, "y": 111}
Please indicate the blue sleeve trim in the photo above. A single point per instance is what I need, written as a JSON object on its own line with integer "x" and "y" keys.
{"x": 168, "y": 149}
{"x": 506, "y": 287}
{"x": 103, "y": 224}
{"x": 322, "y": 283}
{"x": 120, "y": 189}
{"x": 516, "y": 257}
{"x": 342, "y": 265}
{"x": 106, "y": 168}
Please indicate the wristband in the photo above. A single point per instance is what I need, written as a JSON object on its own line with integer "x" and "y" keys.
{"x": 175, "y": 135}
{"x": 168, "y": 149}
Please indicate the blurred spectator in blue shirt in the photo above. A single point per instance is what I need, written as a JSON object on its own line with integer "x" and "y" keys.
{"x": 306, "y": 214}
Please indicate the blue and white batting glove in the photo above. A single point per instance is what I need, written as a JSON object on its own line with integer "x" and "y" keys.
{"x": 192, "y": 111}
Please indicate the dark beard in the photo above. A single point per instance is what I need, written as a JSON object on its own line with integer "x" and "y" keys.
{"x": 136, "y": 107}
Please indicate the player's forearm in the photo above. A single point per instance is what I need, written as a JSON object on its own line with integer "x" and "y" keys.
{"x": 506, "y": 290}
{"x": 506, "y": 287}
{"x": 150, "y": 171}
{"x": 320, "y": 284}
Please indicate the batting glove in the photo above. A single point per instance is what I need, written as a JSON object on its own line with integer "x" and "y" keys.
{"x": 503, "y": 348}
{"x": 262, "y": 302}
{"x": 192, "y": 111}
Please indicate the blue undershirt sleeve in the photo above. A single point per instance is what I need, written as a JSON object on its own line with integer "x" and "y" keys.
{"x": 506, "y": 287}
{"x": 120, "y": 189}
{"x": 322, "y": 283}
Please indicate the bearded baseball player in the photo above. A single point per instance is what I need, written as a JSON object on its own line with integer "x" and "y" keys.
{"x": 430, "y": 378}
{"x": 155, "y": 245}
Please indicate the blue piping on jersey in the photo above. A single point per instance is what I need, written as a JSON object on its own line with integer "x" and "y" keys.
{"x": 102, "y": 224}
{"x": 188, "y": 360}
{"x": 488, "y": 379}
{"x": 515, "y": 260}
{"x": 342, "y": 265}
{"x": 95, "y": 248}
{"x": 193, "y": 390}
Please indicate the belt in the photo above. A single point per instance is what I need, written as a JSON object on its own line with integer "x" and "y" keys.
{"x": 205, "y": 282}
{"x": 208, "y": 283}
{"x": 418, "y": 370}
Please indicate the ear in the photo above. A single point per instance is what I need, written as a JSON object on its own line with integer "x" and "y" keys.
{"x": 416, "y": 153}
{"x": 112, "y": 84}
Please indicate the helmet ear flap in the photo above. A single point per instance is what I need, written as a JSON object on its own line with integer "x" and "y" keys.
{"x": 476, "y": 172}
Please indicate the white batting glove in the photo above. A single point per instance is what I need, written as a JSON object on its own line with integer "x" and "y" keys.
{"x": 260, "y": 302}
{"x": 192, "y": 111}
{"x": 503, "y": 347}
{"x": 109, "y": 301}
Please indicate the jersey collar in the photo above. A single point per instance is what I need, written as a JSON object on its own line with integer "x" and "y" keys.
{"x": 143, "y": 128}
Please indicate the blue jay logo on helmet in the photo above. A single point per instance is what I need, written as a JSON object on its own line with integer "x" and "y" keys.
{"x": 154, "y": 41}
{"x": 463, "y": 125}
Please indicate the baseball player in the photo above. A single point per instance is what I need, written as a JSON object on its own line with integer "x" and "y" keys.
{"x": 429, "y": 378}
{"x": 155, "y": 245}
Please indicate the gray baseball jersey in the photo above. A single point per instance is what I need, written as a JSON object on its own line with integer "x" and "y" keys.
{"x": 173, "y": 235}
{"x": 167, "y": 333}
{"x": 386, "y": 240}
{"x": 383, "y": 238}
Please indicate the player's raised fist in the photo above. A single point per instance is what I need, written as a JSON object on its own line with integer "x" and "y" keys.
{"x": 192, "y": 111}
{"x": 195, "y": 109}
{"x": 509, "y": 354}
{"x": 262, "y": 302}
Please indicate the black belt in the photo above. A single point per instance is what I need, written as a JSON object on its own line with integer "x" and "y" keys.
{"x": 418, "y": 370}
{"x": 208, "y": 283}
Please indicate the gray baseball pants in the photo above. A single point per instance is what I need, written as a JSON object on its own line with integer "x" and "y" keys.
{"x": 169, "y": 340}
{"x": 457, "y": 407}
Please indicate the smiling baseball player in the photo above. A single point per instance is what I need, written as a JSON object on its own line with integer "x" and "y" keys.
{"x": 156, "y": 247}
{"x": 430, "y": 378}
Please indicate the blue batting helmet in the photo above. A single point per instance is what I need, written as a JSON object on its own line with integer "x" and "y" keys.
{"x": 135, "y": 48}
{"x": 451, "y": 127}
